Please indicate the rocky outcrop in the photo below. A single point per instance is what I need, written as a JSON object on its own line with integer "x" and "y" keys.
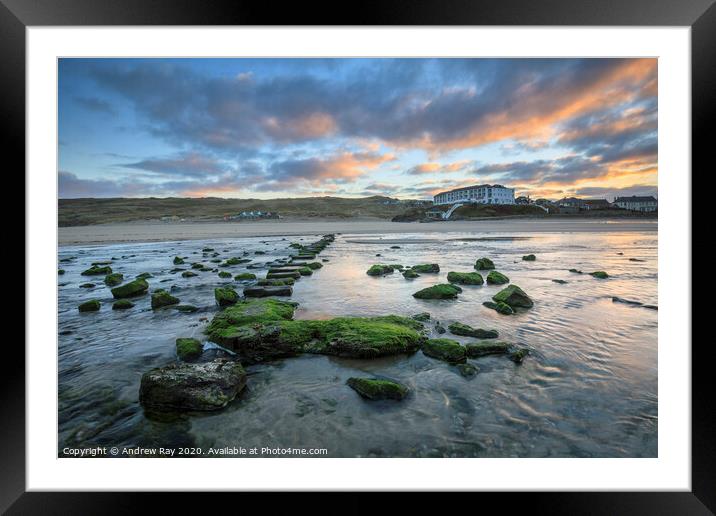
{"x": 440, "y": 291}
{"x": 192, "y": 387}
{"x": 513, "y": 296}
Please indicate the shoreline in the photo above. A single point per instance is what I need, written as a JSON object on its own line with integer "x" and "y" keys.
{"x": 138, "y": 232}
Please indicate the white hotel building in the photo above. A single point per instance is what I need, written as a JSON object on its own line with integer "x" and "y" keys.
{"x": 479, "y": 194}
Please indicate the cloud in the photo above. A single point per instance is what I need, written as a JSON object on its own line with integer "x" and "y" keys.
{"x": 95, "y": 104}
{"x": 437, "y": 168}
{"x": 187, "y": 165}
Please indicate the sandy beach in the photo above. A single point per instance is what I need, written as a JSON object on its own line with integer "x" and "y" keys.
{"x": 170, "y": 231}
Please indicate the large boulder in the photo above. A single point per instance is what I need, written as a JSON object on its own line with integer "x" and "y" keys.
{"x": 465, "y": 330}
{"x": 134, "y": 288}
{"x": 444, "y": 349}
{"x": 378, "y": 389}
{"x": 189, "y": 387}
{"x": 497, "y": 278}
{"x": 440, "y": 291}
{"x": 465, "y": 278}
{"x": 513, "y": 296}
{"x": 114, "y": 279}
{"x": 483, "y": 264}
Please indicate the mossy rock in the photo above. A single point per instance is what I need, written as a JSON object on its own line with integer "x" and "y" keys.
{"x": 560, "y": 281}
{"x": 305, "y": 271}
{"x": 314, "y": 265}
{"x": 378, "y": 389}
{"x": 468, "y": 370}
{"x": 162, "y": 298}
{"x": 114, "y": 279}
{"x": 276, "y": 282}
{"x": 188, "y": 349}
{"x": 480, "y": 349}
{"x": 502, "y": 308}
{"x": 379, "y": 270}
{"x": 60, "y": 271}
{"x": 465, "y": 330}
{"x": 87, "y": 285}
{"x": 426, "y": 267}
{"x": 518, "y": 356}
{"x": 143, "y": 275}
{"x": 484, "y": 264}
{"x": 440, "y": 291}
{"x": 97, "y": 270}
{"x": 234, "y": 261}
{"x": 422, "y": 317}
{"x": 225, "y": 296}
{"x": 576, "y": 271}
{"x": 410, "y": 274}
{"x": 207, "y": 250}
{"x": 397, "y": 266}
{"x": 178, "y": 261}
{"x": 262, "y": 329}
{"x": 257, "y": 291}
{"x": 190, "y": 274}
{"x": 599, "y": 274}
{"x": 245, "y": 276}
{"x": 192, "y": 387}
{"x": 497, "y": 278}
{"x": 122, "y": 304}
{"x": 529, "y": 257}
{"x": 198, "y": 266}
{"x": 185, "y": 308}
{"x": 224, "y": 274}
{"x": 283, "y": 275}
{"x": 444, "y": 349}
{"x": 134, "y": 288}
{"x": 513, "y": 296}
{"x": 89, "y": 306}
{"x": 465, "y": 278}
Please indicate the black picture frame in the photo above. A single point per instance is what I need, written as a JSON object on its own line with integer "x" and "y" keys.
{"x": 700, "y": 15}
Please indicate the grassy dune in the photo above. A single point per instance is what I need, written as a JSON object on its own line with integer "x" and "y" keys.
{"x": 80, "y": 212}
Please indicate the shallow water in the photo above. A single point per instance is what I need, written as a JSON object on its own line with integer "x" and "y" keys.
{"x": 587, "y": 389}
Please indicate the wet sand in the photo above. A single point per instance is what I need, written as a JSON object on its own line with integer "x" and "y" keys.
{"x": 174, "y": 231}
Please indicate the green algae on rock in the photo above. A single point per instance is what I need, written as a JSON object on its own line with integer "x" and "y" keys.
{"x": 483, "y": 264}
{"x": 599, "y": 274}
{"x": 513, "y": 296}
{"x": 560, "y": 281}
{"x": 467, "y": 370}
{"x": 224, "y": 274}
{"x": 188, "y": 349}
{"x": 314, "y": 265}
{"x": 444, "y": 349}
{"x": 576, "y": 271}
{"x": 136, "y": 287}
{"x": 178, "y": 260}
{"x": 426, "y": 268}
{"x": 87, "y": 285}
{"x": 378, "y": 389}
{"x": 529, "y": 257}
{"x": 162, "y": 298}
{"x": 244, "y": 276}
{"x": 89, "y": 306}
{"x": 114, "y": 279}
{"x": 410, "y": 274}
{"x": 122, "y": 304}
{"x": 497, "y": 278}
{"x": 502, "y": 308}
{"x": 185, "y": 308}
{"x": 190, "y": 274}
{"x": 97, "y": 270}
{"x": 60, "y": 271}
{"x": 518, "y": 356}
{"x": 263, "y": 329}
{"x": 379, "y": 270}
{"x": 192, "y": 387}
{"x": 225, "y": 296}
{"x": 465, "y": 278}
{"x": 259, "y": 291}
{"x": 480, "y": 349}
{"x": 275, "y": 282}
{"x": 440, "y": 291}
{"x": 465, "y": 330}
{"x": 143, "y": 275}
{"x": 422, "y": 316}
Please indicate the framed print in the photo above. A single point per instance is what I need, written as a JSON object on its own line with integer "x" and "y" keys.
{"x": 437, "y": 248}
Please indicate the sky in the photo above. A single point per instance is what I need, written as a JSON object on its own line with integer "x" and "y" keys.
{"x": 405, "y": 128}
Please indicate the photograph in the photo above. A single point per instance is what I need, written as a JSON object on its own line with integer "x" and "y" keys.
{"x": 357, "y": 257}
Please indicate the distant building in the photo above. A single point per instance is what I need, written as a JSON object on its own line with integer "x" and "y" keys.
{"x": 523, "y": 200}
{"x": 251, "y": 215}
{"x": 597, "y": 204}
{"x": 584, "y": 204}
{"x": 637, "y": 203}
{"x": 479, "y": 194}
